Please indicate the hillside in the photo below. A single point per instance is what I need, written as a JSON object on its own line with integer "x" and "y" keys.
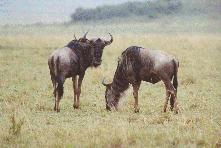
{"x": 149, "y": 10}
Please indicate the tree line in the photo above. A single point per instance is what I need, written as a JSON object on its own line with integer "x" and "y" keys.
{"x": 150, "y": 9}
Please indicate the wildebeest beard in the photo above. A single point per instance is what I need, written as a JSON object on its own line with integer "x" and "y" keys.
{"x": 118, "y": 86}
{"x": 120, "y": 82}
{"x": 97, "y": 52}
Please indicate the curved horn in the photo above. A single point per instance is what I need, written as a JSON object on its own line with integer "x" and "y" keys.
{"x": 75, "y": 37}
{"x": 85, "y": 35}
{"x": 105, "y": 84}
{"x": 109, "y": 42}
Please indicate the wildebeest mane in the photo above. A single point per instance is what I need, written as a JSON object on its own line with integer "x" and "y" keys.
{"x": 71, "y": 44}
{"x": 82, "y": 50}
{"x": 120, "y": 82}
{"x": 127, "y": 62}
{"x": 132, "y": 60}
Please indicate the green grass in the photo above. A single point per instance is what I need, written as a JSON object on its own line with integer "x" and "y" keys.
{"x": 27, "y": 118}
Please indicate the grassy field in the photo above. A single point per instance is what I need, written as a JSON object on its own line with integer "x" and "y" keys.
{"x": 27, "y": 118}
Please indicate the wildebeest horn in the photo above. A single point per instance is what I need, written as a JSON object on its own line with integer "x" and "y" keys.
{"x": 85, "y": 35}
{"x": 105, "y": 84}
{"x": 75, "y": 37}
{"x": 109, "y": 42}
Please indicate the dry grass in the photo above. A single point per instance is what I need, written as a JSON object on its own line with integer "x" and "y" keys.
{"x": 27, "y": 118}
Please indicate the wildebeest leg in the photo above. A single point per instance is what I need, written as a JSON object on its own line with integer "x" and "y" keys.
{"x": 54, "y": 91}
{"x": 171, "y": 102}
{"x": 59, "y": 93}
{"x": 56, "y": 97}
{"x": 57, "y": 101}
{"x": 55, "y": 94}
{"x": 166, "y": 100}
{"x": 171, "y": 91}
{"x": 74, "y": 80}
{"x": 136, "y": 87}
{"x": 81, "y": 76}
{"x": 175, "y": 102}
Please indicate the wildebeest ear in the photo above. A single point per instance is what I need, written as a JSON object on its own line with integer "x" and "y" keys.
{"x": 75, "y": 37}
{"x": 106, "y": 84}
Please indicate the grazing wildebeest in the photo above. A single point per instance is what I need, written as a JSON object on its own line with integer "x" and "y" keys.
{"x": 72, "y": 61}
{"x": 139, "y": 64}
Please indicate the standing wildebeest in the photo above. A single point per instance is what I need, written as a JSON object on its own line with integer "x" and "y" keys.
{"x": 72, "y": 61}
{"x": 139, "y": 64}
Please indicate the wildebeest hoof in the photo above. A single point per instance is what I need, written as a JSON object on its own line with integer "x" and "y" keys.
{"x": 175, "y": 111}
{"x": 76, "y": 106}
{"x": 171, "y": 108}
{"x": 108, "y": 108}
{"x": 57, "y": 110}
{"x": 136, "y": 110}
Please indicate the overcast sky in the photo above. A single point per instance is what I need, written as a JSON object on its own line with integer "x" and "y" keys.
{"x": 46, "y": 11}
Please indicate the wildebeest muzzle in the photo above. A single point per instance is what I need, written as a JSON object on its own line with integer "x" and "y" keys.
{"x": 96, "y": 63}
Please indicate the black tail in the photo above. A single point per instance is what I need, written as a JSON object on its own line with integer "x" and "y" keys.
{"x": 60, "y": 87}
{"x": 175, "y": 82}
{"x": 58, "y": 78}
{"x": 52, "y": 73}
{"x": 51, "y": 67}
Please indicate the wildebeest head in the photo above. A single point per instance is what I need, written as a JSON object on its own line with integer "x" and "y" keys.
{"x": 111, "y": 98}
{"x": 97, "y": 46}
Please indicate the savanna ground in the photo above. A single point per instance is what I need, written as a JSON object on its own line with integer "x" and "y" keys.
{"x": 27, "y": 118}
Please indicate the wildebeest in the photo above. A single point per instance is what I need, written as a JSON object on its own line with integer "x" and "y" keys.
{"x": 138, "y": 64}
{"x": 72, "y": 61}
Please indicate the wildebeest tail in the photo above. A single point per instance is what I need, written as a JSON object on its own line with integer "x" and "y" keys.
{"x": 55, "y": 74}
{"x": 51, "y": 68}
{"x": 58, "y": 78}
{"x": 175, "y": 81}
